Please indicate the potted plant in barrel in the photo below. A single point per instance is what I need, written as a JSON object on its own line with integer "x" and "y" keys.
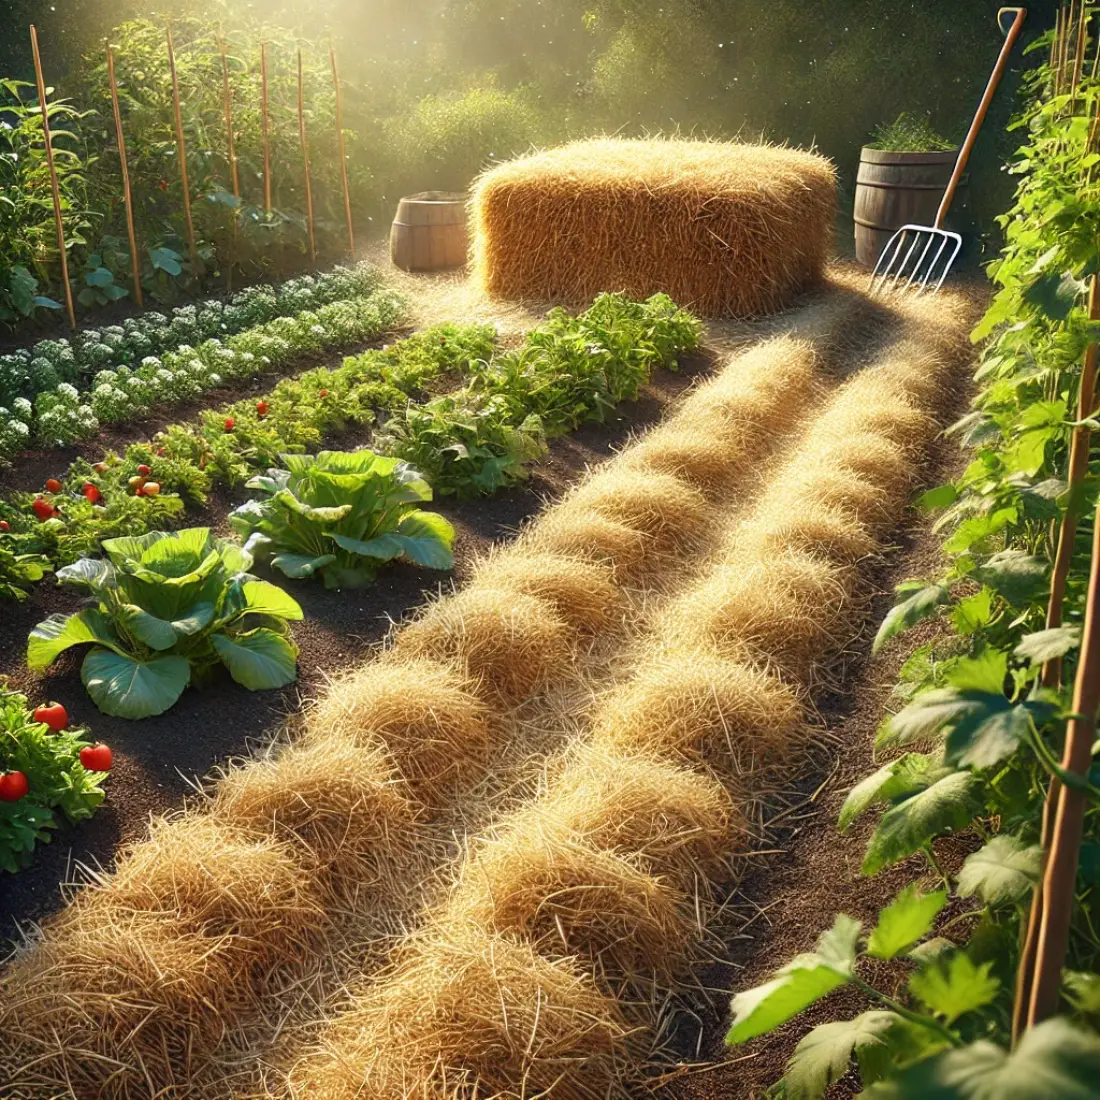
{"x": 903, "y": 172}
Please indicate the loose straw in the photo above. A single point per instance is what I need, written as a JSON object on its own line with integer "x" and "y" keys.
{"x": 343, "y": 154}
{"x": 53, "y": 177}
{"x": 305, "y": 163}
{"x": 182, "y": 150}
{"x": 135, "y": 264}
{"x": 263, "y": 114}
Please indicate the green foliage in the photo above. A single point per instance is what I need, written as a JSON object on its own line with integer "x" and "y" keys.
{"x": 60, "y": 788}
{"x": 18, "y": 570}
{"x": 168, "y": 607}
{"x": 342, "y": 515}
{"x": 909, "y": 134}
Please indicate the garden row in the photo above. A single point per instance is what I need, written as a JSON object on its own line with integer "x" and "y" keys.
{"x": 167, "y": 609}
{"x": 58, "y": 393}
{"x": 479, "y": 437}
{"x": 992, "y": 713}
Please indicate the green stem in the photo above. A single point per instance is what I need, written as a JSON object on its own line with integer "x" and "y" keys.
{"x": 1068, "y": 779}
{"x": 935, "y": 863}
{"x": 908, "y": 1014}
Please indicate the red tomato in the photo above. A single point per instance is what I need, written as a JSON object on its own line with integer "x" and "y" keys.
{"x": 149, "y": 489}
{"x": 144, "y": 470}
{"x": 43, "y": 509}
{"x": 96, "y": 758}
{"x": 160, "y": 450}
{"x": 261, "y": 409}
{"x": 13, "y": 786}
{"x": 4, "y": 525}
{"x": 230, "y": 423}
{"x": 91, "y": 492}
{"x": 324, "y": 393}
{"x": 100, "y": 467}
{"x": 53, "y": 715}
{"x": 53, "y": 485}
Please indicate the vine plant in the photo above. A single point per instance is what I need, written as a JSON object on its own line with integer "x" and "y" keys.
{"x": 986, "y": 702}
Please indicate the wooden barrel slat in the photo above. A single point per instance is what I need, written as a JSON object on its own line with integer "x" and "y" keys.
{"x": 429, "y": 232}
{"x": 896, "y": 189}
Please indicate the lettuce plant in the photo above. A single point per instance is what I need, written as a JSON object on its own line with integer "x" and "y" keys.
{"x": 58, "y": 784}
{"x": 343, "y": 515}
{"x": 169, "y": 608}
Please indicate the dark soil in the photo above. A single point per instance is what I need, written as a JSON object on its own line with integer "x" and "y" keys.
{"x": 158, "y": 759}
{"x": 789, "y": 898}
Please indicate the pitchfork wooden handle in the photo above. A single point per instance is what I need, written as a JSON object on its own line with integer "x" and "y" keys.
{"x": 983, "y": 108}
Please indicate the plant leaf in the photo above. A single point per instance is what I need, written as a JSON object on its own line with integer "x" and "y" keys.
{"x": 155, "y": 633}
{"x": 126, "y": 688}
{"x": 269, "y": 599}
{"x": 910, "y": 611}
{"x": 822, "y": 1057}
{"x": 955, "y": 986}
{"x": 1053, "y": 1061}
{"x": 426, "y": 539}
{"x": 908, "y": 918}
{"x": 1004, "y": 871}
{"x": 54, "y": 635}
{"x": 258, "y": 660}
{"x": 1045, "y": 645}
{"x": 299, "y": 566}
{"x": 947, "y": 804}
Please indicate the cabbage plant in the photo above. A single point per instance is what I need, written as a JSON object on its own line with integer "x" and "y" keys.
{"x": 169, "y": 608}
{"x": 343, "y": 514}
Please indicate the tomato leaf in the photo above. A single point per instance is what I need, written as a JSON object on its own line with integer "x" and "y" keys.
{"x": 822, "y": 1057}
{"x": 955, "y": 986}
{"x": 1002, "y": 872}
{"x": 908, "y": 918}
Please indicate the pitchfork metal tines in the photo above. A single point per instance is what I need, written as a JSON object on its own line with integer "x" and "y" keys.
{"x": 920, "y": 257}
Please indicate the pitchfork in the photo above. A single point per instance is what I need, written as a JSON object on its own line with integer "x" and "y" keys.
{"x": 928, "y": 250}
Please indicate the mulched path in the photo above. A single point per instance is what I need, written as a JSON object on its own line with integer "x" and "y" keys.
{"x": 158, "y": 759}
{"x": 785, "y": 902}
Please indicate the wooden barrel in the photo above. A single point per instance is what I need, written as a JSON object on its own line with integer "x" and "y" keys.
{"x": 895, "y": 189}
{"x": 429, "y": 232}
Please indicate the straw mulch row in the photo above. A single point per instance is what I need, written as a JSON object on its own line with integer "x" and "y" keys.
{"x": 549, "y": 967}
{"x": 221, "y": 938}
{"x": 728, "y": 229}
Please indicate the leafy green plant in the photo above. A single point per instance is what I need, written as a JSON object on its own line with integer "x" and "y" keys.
{"x": 169, "y": 608}
{"x": 342, "y": 515}
{"x": 928, "y": 1040}
{"x": 19, "y": 570}
{"x": 58, "y": 786}
{"x": 910, "y": 134}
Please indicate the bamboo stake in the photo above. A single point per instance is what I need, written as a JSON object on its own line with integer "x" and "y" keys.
{"x": 228, "y": 104}
{"x": 305, "y": 162}
{"x": 41, "y": 82}
{"x": 1052, "y": 669}
{"x": 181, "y": 147}
{"x": 1060, "y": 877}
{"x": 343, "y": 153}
{"x": 267, "y": 139}
{"x": 135, "y": 264}
{"x": 231, "y": 154}
{"x": 1079, "y": 55}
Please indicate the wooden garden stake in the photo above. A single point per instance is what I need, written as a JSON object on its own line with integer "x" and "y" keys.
{"x": 1060, "y": 876}
{"x": 53, "y": 177}
{"x": 343, "y": 154}
{"x": 181, "y": 148}
{"x": 135, "y": 263}
{"x": 263, "y": 116}
{"x": 305, "y": 163}
{"x": 231, "y": 154}
{"x": 231, "y": 145}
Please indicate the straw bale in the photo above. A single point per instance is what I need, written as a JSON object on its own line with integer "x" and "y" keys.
{"x": 426, "y": 714}
{"x": 803, "y": 521}
{"x": 510, "y": 644}
{"x": 582, "y": 592}
{"x": 119, "y": 1006}
{"x": 789, "y": 608}
{"x": 334, "y": 801}
{"x": 681, "y": 824}
{"x": 703, "y": 708}
{"x": 541, "y": 883}
{"x": 250, "y": 897}
{"x": 467, "y": 1016}
{"x": 725, "y": 228}
{"x": 668, "y": 512}
{"x": 585, "y": 534}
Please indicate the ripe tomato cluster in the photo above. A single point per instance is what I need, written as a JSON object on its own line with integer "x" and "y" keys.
{"x": 15, "y": 786}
